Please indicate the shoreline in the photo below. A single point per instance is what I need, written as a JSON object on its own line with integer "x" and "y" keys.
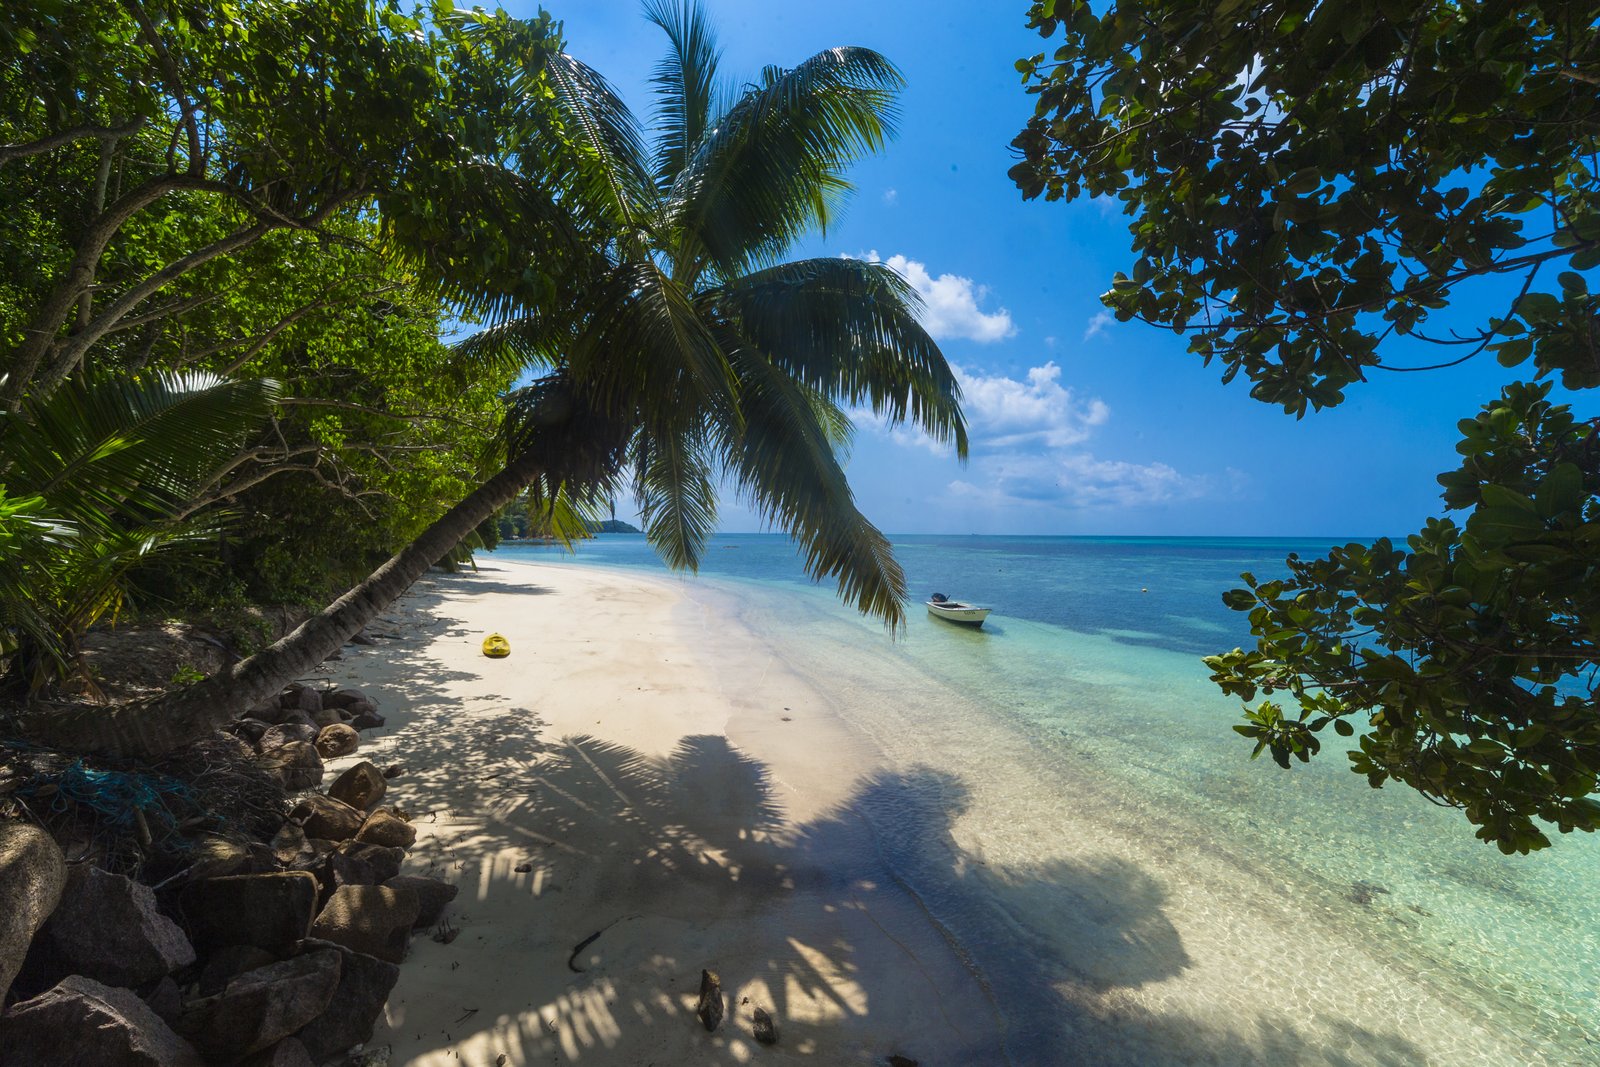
{"x": 777, "y": 799}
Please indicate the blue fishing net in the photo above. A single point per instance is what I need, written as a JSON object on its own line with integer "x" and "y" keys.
{"x": 115, "y": 795}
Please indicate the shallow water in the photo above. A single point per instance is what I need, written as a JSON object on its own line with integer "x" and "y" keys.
{"x": 1067, "y": 801}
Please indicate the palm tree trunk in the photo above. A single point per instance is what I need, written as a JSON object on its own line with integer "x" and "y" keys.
{"x": 150, "y": 729}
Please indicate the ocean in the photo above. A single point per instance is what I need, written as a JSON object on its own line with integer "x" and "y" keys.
{"x": 1067, "y": 800}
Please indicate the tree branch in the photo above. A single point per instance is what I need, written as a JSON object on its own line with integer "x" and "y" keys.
{"x": 261, "y": 341}
{"x": 22, "y": 150}
{"x": 169, "y": 68}
{"x": 52, "y": 314}
{"x": 71, "y": 349}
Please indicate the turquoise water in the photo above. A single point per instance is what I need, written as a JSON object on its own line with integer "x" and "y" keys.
{"x": 1071, "y": 805}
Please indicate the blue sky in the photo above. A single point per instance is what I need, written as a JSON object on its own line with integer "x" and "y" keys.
{"x": 1081, "y": 425}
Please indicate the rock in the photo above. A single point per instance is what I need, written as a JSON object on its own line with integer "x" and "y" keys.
{"x": 335, "y": 869}
{"x": 433, "y": 896}
{"x": 32, "y": 875}
{"x": 710, "y": 1007}
{"x": 394, "y": 770}
{"x": 362, "y": 786}
{"x": 364, "y": 986}
{"x": 228, "y": 962}
{"x": 269, "y": 710}
{"x": 365, "y": 717}
{"x": 165, "y": 999}
{"x": 384, "y": 827}
{"x": 296, "y": 764}
{"x": 107, "y": 928}
{"x": 262, "y": 1006}
{"x": 371, "y": 1057}
{"x": 251, "y": 730}
{"x": 337, "y": 740}
{"x": 310, "y": 701}
{"x": 291, "y": 848}
{"x": 384, "y": 859}
{"x": 82, "y": 1023}
{"x": 327, "y": 818}
{"x": 283, "y": 733}
{"x": 287, "y": 1053}
{"x": 902, "y": 1061}
{"x": 373, "y": 919}
{"x": 764, "y": 1028}
{"x": 343, "y": 698}
{"x": 327, "y": 717}
{"x": 296, "y": 717}
{"x": 1365, "y": 892}
{"x": 215, "y": 856}
{"x": 270, "y": 911}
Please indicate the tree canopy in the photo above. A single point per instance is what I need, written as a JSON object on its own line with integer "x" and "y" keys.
{"x": 1308, "y": 183}
{"x": 305, "y": 196}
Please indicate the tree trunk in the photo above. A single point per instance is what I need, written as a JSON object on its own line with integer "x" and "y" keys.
{"x": 150, "y": 729}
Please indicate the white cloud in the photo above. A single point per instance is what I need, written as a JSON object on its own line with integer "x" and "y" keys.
{"x": 1075, "y": 480}
{"x": 1037, "y": 411}
{"x": 910, "y": 437}
{"x": 1098, "y": 324}
{"x": 1027, "y": 437}
{"x": 1006, "y": 414}
{"x": 951, "y": 303}
{"x": 891, "y": 197}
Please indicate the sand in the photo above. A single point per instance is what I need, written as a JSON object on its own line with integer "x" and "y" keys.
{"x": 609, "y": 779}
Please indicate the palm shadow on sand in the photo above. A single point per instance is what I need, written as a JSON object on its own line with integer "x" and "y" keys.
{"x": 872, "y": 921}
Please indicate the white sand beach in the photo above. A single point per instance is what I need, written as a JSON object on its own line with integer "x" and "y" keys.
{"x": 646, "y": 788}
{"x": 599, "y": 781}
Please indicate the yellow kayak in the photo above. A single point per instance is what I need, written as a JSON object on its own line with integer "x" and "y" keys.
{"x": 495, "y": 646}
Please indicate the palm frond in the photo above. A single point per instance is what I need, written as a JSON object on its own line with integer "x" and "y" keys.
{"x": 526, "y": 343}
{"x": 564, "y": 514}
{"x": 772, "y": 167}
{"x": 785, "y": 463}
{"x": 676, "y": 493}
{"x": 110, "y": 450}
{"x": 108, "y": 464}
{"x": 685, "y": 81}
{"x": 610, "y": 173}
{"x": 645, "y": 342}
{"x": 849, "y": 329}
{"x": 32, "y": 544}
{"x": 580, "y": 444}
{"x": 833, "y": 419}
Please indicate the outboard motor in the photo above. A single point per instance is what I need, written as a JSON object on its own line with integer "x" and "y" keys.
{"x": 940, "y": 598}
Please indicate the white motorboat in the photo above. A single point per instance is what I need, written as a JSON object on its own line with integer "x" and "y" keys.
{"x": 943, "y": 607}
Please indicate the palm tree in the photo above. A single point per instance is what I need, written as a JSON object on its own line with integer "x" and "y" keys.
{"x": 97, "y": 478}
{"x": 687, "y": 351}
{"x": 730, "y": 364}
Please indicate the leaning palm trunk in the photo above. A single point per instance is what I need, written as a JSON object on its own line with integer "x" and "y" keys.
{"x": 156, "y": 727}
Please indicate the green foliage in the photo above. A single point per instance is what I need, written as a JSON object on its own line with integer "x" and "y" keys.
{"x": 274, "y": 190}
{"x": 1307, "y": 181}
{"x": 513, "y": 521}
{"x": 187, "y": 674}
{"x": 1467, "y": 663}
{"x": 107, "y": 468}
{"x": 175, "y": 183}
{"x": 1307, "y": 178}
